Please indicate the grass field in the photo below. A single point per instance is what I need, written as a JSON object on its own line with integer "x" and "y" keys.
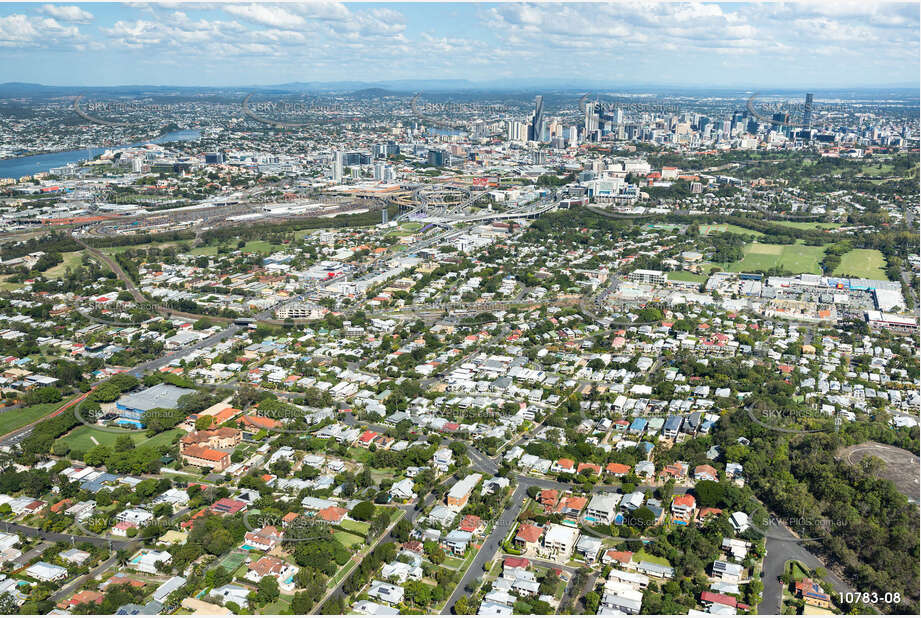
{"x": 683, "y": 275}
{"x": 725, "y": 227}
{"x": 82, "y": 438}
{"x": 72, "y": 259}
{"x": 405, "y": 229}
{"x": 12, "y": 420}
{"x": 867, "y": 263}
{"x": 252, "y": 246}
{"x": 796, "y": 258}
{"x": 149, "y": 245}
{"x": 347, "y": 539}
{"x": 7, "y": 286}
{"x": 808, "y": 225}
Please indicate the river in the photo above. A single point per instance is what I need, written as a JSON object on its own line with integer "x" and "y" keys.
{"x": 26, "y": 166}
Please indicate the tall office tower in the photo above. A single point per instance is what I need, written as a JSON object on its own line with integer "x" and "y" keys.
{"x": 385, "y": 216}
{"x": 338, "y": 166}
{"x": 537, "y": 122}
{"x": 619, "y": 116}
{"x": 591, "y": 120}
{"x": 807, "y": 112}
{"x": 573, "y": 136}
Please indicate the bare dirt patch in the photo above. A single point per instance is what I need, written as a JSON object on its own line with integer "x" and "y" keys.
{"x": 902, "y": 467}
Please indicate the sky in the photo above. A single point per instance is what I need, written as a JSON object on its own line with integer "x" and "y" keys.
{"x": 812, "y": 45}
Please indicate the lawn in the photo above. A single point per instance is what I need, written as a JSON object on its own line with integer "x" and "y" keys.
{"x": 452, "y": 562}
{"x": 347, "y": 539}
{"x": 280, "y": 606}
{"x": 796, "y": 570}
{"x": 11, "y": 420}
{"x": 162, "y": 438}
{"x": 359, "y": 527}
{"x": 642, "y": 555}
{"x": 866, "y": 263}
{"x": 361, "y": 455}
{"x": 796, "y": 258}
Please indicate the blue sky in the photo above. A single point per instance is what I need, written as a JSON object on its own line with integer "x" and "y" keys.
{"x": 839, "y": 44}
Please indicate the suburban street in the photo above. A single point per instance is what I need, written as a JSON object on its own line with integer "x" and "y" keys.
{"x": 781, "y": 546}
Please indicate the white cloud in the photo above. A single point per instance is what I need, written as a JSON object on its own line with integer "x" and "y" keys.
{"x": 68, "y": 13}
{"x": 276, "y": 16}
{"x": 23, "y": 31}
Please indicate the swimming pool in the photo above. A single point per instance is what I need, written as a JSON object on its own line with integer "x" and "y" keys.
{"x": 590, "y": 519}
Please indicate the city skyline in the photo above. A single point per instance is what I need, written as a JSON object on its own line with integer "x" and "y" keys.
{"x": 679, "y": 44}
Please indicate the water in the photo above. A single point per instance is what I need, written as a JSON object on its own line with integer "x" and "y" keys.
{"x": 26, "y": 166}
{"x": 444, "y": 131}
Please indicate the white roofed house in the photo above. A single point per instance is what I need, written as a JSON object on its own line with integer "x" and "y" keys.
{"x": 46, "y": 572}
{"x": 403, "y": 490}
{"x": 442, "y": 459}
{"x": 559, "y": 541}
{"x": 603, "y": 507}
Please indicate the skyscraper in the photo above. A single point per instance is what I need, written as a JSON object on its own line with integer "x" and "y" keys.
{"x": 591, "y": 120}
{"x": 535, "y": 132}
{"x": 338, "y": 166}
{"x": 807, "y": 112}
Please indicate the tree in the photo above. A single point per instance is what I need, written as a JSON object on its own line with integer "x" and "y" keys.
{"x": 709, "y": 493}
{"x": 8, "y": 604}
{"x": 203, "y": 422}
{"x": 642, "y": 518}
{"x": 45, "y": 394}
{"x": 362, "y": 511}
{"x": 462, "y": 607}
{"x": 267, "y": 590}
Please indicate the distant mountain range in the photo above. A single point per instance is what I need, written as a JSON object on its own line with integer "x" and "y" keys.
{"x": 429, "y": 86}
